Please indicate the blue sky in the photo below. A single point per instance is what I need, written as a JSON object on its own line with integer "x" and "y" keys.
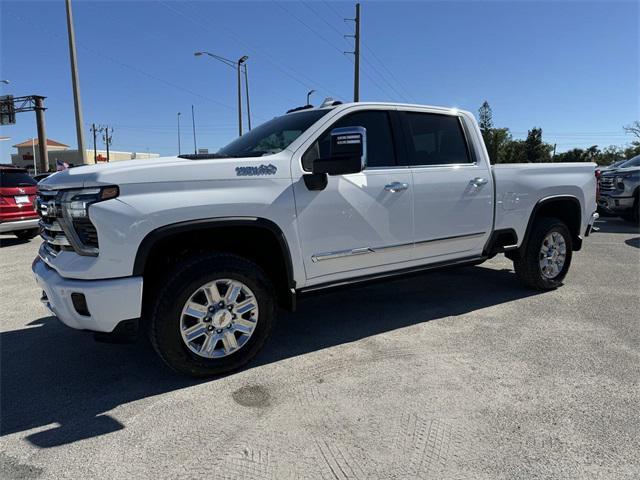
{"x": 571, "y": 68}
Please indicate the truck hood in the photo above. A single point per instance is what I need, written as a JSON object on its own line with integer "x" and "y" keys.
{"x": 620, "y": 171}
{"x": 169, "y": 169}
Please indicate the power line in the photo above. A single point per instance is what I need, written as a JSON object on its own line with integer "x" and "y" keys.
{"x": 263, "y": 54}
{"x": 331, "y": 25}
{"x": 311, "y": 29}
{"x": 333, "y": 9}
{"x": 126, "y": 65}
{"x": 393, "y": 77}
{"x": 406, "y": 94}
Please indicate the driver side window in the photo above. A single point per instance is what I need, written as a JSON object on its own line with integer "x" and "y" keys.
{"x": 380, "y": 150}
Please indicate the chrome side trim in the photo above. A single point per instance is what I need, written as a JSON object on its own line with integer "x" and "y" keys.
{"x": 319, "y": 257}
{"x": 390, "y": 248}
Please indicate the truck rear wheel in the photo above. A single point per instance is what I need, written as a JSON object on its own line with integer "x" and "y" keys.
{"x": 547, "y": 255}
{"x": 634, "y": 215}
{"x": 213, "y": 315}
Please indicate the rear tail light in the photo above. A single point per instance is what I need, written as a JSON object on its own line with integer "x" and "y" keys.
{"x": 598, "y": 174}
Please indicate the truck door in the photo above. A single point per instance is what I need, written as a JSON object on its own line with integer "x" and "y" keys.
{"x": 453, "y": 187}
{"x": 359, "y": 222}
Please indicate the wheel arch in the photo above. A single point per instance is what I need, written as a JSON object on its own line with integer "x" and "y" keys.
{"x": 265, "y": 233}
{"x": 564, "y": 207}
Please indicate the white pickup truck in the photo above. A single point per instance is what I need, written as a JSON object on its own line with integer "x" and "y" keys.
{"x": 202, "y": 249}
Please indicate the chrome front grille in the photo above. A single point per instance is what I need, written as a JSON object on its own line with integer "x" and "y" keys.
{"x": 51, "y": 231}
{"x": 607, "y": 183}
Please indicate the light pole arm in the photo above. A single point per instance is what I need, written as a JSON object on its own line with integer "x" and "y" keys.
{"x": 226, "y": 61}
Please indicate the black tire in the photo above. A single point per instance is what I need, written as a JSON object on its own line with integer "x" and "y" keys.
{"x": 527, "y": 265}
{"x": 26, "y": 234}
{"x": 634, "y": 215}
{"x": 164, "y": 323}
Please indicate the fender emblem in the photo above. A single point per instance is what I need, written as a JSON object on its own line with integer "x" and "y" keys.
{"x": 255, "y": 171}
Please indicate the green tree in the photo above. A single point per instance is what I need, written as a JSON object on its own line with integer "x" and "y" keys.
{"x": 514, "y": 151}
{"x": 573, "y": 155}
{"x": 535, "y": 149}
{"x": 485, "y": 117}
{"x": 495, "y": 139}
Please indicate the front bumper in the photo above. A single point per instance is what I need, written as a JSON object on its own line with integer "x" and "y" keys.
{"x": 108, "y": 301}
{"x": 592, "y": 220}
{"x": 16, "y": 225}
{"x": 615, "y": 204}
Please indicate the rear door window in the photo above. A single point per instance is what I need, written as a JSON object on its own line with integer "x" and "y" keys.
{"x": 434, "y": 139}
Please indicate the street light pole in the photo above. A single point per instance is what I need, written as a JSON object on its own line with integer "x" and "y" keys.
{"x": 239, "y": 104}
{"x": 237, "y": 65}
{"x": 179, "y": 133}
{"x": 246, "y": 86}
{"x": 193, "y": 123}
{"x": 75, "y": 81}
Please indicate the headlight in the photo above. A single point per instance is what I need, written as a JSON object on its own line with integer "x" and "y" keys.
{"x": 75, "y": 203}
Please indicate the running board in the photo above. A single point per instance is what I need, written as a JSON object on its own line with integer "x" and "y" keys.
{"x": 462, "y": 262}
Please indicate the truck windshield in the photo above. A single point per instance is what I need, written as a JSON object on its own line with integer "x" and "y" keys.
{"x": 272, "y": 136}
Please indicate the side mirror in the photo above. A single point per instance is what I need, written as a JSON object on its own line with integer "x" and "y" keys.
{"x": 347, "y": 154}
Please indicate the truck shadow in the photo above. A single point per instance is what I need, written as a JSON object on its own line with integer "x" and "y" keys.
{"x": 61, "y": 382}
{"x": 11, "y": 241}
{"x": 616, "y": 225}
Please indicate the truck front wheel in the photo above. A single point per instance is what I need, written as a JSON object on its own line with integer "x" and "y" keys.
{"x": 546, "y": 257}
{"x": 213, "y": 315}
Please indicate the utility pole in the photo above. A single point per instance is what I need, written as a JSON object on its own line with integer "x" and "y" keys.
{"x": 107, "y": 138}
{"x": 42, "y": 133}
{"x": 75, "y": 82}
{"x": 95, "y": 130}
{"x": 193, "y": 123}
{"x": 179, "y": 132}
{"x": 356, "y": 54}
{"x": 33, "y": 152}
{"x": 246, "y": 86}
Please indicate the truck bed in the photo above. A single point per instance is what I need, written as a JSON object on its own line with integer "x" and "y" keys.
{"x": 520, "y": 186}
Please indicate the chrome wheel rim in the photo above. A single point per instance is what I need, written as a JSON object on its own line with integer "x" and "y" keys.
{"x": 553, "y": 254}
{"x": 219, "y": 318}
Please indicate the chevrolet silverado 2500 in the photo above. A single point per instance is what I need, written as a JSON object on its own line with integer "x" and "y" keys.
{"x": 201, "y": 250}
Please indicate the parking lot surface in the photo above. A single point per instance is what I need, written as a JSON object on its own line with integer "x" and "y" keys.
{"x": 457, "y": 374}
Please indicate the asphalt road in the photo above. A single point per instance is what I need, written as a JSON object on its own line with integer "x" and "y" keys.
{"x": 458, "y": 374}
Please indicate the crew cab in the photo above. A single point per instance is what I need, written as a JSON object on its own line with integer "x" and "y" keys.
{"x": 17, "y": 195}
{"x": 202, "y": 249}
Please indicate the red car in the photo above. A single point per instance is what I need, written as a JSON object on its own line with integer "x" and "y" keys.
{"x": 17, "y": 195}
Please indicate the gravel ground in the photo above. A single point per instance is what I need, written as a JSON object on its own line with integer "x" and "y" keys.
{"x": 458, "y": 374}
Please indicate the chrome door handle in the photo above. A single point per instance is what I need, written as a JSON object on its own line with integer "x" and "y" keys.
{"x": 394, "y": 187}
{"x": 476, "y": 182}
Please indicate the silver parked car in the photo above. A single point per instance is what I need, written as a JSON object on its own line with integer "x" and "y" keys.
{"x": 619, "y": 190}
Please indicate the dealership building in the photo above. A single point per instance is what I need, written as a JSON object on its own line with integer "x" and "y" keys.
{"x": 28, "y": 155}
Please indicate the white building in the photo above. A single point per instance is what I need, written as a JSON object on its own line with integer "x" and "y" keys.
{"x": 28, "y": 155}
